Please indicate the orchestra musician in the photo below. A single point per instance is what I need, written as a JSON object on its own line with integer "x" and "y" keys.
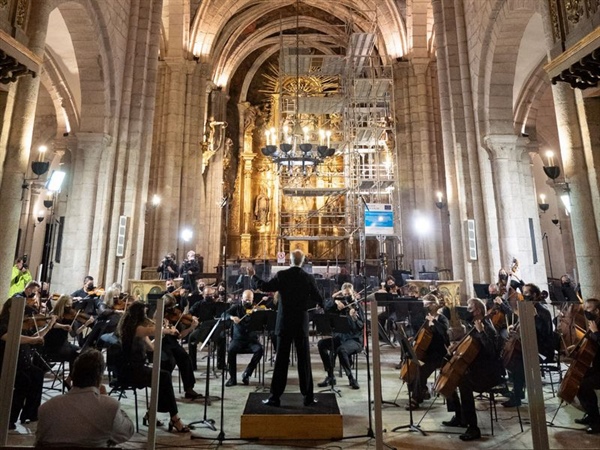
{"x": 299, "y": 293}
{"x": 483, "y": 373}
{"x": 29, "y": 379}
{"x": 438, "y": 324}
{"x": 342, "y": 345}
{"x": 134, "y": 331}
{"x": 173, "y": 354}
{"x": 545, "y": 341}
{"x": 243, "y": 340}
{"x": 591, "y": 380}
{"x": 32, "y": 294}
{"x": 56, "y": 343}
{"x": 495, "y": 302}
{"x": 88, "y": 300}
{"x": 168, "y": 268}
{"x": 103, "y": 332}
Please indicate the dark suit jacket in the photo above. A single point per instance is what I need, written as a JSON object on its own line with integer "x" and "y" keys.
{"x": 299, "y": 293}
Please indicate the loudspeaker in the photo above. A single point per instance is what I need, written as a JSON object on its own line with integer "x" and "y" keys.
{"x": 121, "y": 236}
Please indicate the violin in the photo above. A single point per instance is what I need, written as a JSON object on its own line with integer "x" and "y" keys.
{"x": 75, "y": 316}
{"x": 175, "y": 316}
{"x": 96, "y": 292}
{"x": 34, "y": 322}
{"x": 121, "y": 304}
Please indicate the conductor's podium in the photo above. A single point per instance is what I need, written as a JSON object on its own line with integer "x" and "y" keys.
{"x": 292, "y": 420}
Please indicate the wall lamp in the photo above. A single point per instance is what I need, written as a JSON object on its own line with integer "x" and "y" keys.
{"x": 552, "y": 171}
{"x": 440, "y": 203}
{"x": 542, "y": 204}
{"x": 40, "y": 167}
{"x": 40, "y": 216}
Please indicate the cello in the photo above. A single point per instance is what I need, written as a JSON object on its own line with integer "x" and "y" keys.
{"x": 409, "y": 370}
{"x": 583, "y": 356}
{"x": 452, "y": 372}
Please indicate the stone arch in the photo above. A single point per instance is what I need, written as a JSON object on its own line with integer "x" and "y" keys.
{"x": 212, "y": 15}
{"x": 526, "y": 105}
{"x": 96, "y": 70}
{"x": 507, "y": 22}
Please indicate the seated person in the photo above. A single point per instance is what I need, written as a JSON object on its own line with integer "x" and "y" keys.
{"x": 484, "y": 372}
{"x": 243, "y": 340}
{"x": 436, "y": 351}
{"x": 85, "y": 416}
{"x": 343, "y": 345}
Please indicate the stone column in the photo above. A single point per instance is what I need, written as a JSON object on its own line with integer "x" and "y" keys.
{"x": 585, "y": 230}
{"x": 506, "y": 152}
{"x": 81, "y": 210}
{"x": 19, "y": 143}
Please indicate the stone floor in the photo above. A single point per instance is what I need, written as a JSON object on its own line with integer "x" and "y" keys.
{"x": 354, "y": 407}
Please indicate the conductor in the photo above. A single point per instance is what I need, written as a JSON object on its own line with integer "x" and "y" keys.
{"x": 299, "y": 293}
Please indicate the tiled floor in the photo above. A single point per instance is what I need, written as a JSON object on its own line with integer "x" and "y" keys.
{"x": 355, "y": 409}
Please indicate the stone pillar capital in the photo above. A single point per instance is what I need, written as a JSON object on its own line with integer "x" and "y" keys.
{"x": 505, "y": 146}
{"x": 92, "y": 144}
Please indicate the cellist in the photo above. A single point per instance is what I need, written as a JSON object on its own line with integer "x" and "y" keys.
{"x": 438, "y": 325}
{"x": 485, "y": 371}
{"x": 591, "y": 380}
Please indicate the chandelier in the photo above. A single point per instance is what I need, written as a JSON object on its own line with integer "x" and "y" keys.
{"x": 296, "y": 144}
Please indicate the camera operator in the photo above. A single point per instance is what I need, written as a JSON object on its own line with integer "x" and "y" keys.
{"x": 189, "y": 271}
{"x": 168, "y": 267}
{"x": 20, "y": 276}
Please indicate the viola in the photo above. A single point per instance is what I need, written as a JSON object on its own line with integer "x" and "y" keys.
{"x": 453, "y": 371}
{"x": 121, "y": 304}
{"x": 584, "y": 354}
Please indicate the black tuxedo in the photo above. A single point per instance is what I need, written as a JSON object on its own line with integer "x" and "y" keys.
{"x": 298, "y": 293}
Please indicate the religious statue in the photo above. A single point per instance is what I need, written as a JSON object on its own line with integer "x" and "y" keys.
{"x": 261, "y": 207}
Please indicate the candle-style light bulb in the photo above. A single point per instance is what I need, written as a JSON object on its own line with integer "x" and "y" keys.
{"x": 542, "y": 198}
{"x": 305, "y": 131}
{"x": 328, "y": 134}
{"x": 268, "y": 136}
{"x": 42, "y": 149}
{"x": 273, "y": 136}
{"x": 550, "y": 156}
{"x": 440, "y": 197}
{"x": 321, "y": 137}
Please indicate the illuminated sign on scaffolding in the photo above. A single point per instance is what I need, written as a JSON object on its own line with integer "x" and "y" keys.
{"x": 379, "y": 219}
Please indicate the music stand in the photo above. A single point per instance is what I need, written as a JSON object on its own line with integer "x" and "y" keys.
{"x": 210, "y": 327}
{"x": 329, "y": 324}
{"x": 262, "y": 321}
{"x": 409, "y": 354}
{"x": 384, "y": 299}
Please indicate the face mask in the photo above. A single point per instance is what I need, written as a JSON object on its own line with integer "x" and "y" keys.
{"x": 170, "y": 288}
{"x": 247, "y": 304}
{"x": 590, "y": 315}
{"x": 469, "y": 316}
{"x": 31, "y": 295}
{"x": 527, "y": 298}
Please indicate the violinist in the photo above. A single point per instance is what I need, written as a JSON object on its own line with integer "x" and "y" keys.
{"x": 545, "y": 341}
{"x": 32, "y": 294}
{"x": 56, "y": 344}
{"x": 29, "y": 379}
{"x": 342, "y": 345}
{"x": 103, "y": 332}
{"x": 438, "y": 325}
{"x": 243, "y": 340}
{"x": 483, "y": 373}
{"x": 134, "y": 331}
{"x": 87, "y": 300}
{"x": 591, "y": 380}
{"x": 173, "y": 354}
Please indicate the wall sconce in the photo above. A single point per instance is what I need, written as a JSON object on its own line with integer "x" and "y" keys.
{"x": 48, "y": 201}
{"x": 40, "y": 167}
{"x": 542, "y": 204}
{"x": 440, "y": 203}
{"x": 40, "y": 216}
{"x": 551, "y": 171}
